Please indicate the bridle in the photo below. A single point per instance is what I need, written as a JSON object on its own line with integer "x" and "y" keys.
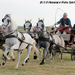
{"x": 28, "y": 28}
{"x": 47, "y": 33}
{"x": 7, "y": 20}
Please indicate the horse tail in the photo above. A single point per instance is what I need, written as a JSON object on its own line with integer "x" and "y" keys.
{"x": 62, "y": 41}
{"x": 34, "y": 47}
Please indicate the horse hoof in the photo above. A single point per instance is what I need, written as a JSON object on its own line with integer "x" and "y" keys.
{"x": 50, "y": 61}
{"x": 35, "y": 57}
{"x": 61, "y": 60}
{"x": 3, "y": 63}
{"x": 22, "y": 64}
{"x": 26, "y": 61}
{"x": 0, "y": 64}
{"x": 13, "y": 59}
{"x": 20, "y": 52}
{"x": 42, "y": 63}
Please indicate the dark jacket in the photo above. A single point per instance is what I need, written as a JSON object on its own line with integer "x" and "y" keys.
{"x": 67, "y": 21}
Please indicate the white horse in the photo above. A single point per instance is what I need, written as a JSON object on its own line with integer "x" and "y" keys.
{"x": 32, "y": 32}
{"x": 15, "y": 40}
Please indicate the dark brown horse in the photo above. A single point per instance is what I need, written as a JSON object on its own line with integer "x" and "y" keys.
{"x": 2, "y": 40}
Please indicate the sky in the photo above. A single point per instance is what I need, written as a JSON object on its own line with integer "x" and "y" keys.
{"x": 22, "y": 10}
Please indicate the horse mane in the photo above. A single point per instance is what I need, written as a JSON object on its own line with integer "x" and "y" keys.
{"x": 44, "y": 28}
{"x": 13, "y": 23}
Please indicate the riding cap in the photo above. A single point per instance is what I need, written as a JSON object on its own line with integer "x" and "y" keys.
{"x": 65, "y": 14}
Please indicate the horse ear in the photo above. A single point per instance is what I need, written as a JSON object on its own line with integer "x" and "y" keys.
{"x": 10, "y": 15}
{"x": 30, "y": 20}
{"x": 43, "y": 19}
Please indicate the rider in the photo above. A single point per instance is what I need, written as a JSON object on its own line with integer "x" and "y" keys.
{"x": 65, "y": 24}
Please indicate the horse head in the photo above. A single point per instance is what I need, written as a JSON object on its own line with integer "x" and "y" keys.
{"x": 6, "y": 20}
{"x": 27, "y": 26}
{"x": 40, "y": 25}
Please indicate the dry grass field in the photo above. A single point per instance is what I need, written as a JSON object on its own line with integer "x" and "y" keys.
{"x": 66, "y": 67}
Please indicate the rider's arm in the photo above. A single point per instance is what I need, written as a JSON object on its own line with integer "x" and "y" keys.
{"x": 58, "y": 22}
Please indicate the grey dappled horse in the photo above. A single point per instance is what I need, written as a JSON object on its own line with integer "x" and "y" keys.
{"x": 45, "y": 41}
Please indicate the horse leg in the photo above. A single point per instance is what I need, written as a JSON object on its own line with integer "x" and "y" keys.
{"x": 35, "y": 56}
{"x": 39, "y": 55}
{"x": 4, "y": 59}
{"x": 61, "y": 53}
{"x": 58, "y": 55}
{"x": 53, "y": 55}
{"x": 44, "y": 56}
{"x": 49, "y": 52}
{"x": 3, "y": 48}
{"x": 12, "y": 56}
{"x": 49, "y": 55}
{"x": 6, "y": 52}
{"x": 12, "y": 48}
{"x": 40, "y": 52}
{"x": 28, "y": 53}
{"x": 18, "y": 54}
